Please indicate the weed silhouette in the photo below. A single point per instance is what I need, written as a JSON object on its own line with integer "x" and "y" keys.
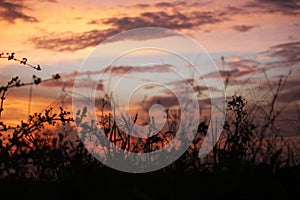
{"x": 46, "y": 153}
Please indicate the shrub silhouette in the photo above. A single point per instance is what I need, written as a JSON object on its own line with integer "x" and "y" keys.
{"x": 47, "y": 148}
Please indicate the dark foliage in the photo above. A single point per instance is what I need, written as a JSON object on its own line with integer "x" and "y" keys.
{"x": 44, "y": 155}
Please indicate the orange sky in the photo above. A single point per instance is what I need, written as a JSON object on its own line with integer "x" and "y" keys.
{"x": 60, "y": 34}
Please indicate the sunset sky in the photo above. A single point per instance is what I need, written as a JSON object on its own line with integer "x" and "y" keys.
{"x": 258, "y": 39}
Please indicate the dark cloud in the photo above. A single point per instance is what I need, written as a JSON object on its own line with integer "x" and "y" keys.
{"x": 285, "y": 7}
{"x": 172, "y": 20}
{"x": 150, "y": 87}
{"x": 10, "y": 11}
{"x": 76, "y": 41}
{"x": 173, "y": 5}
{"x": 67, "y": 81}
{"x": 69, "y": 41}
{"x": 87, "y": 78}
{"x": 290, "y": 52}
{"x": 233, "y": 10}
{"x": 58, "y": 84}
{"x": 86, "y": 74}
{"x": 166, "y": 101}
{"x": 171, "y": 101}
{"x": 120, "y": 70}
{"x": 181, "y": 82}
{"x": 234, "y": 73}
{"x": 244, "y": 82}
{"x": 142, "y": 5}
{"x": 164, "y": 4}
{"x": 193, "y": 83}
{"x": 243, "y": 28}
{"x": 285, "y": 55}
{"x": 181, "y": 86}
